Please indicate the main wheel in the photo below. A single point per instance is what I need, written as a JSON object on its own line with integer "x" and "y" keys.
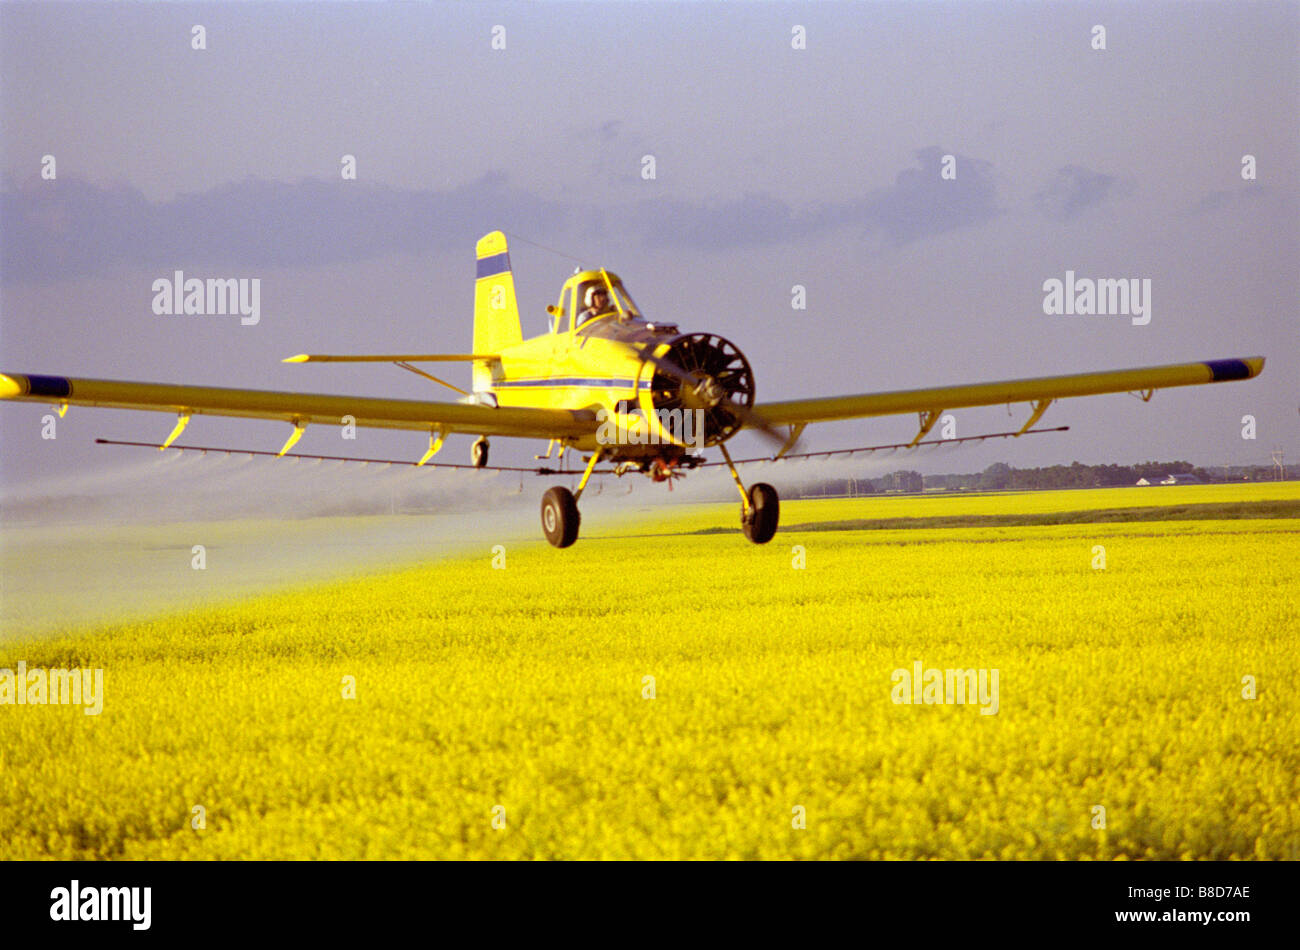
{"x": 560, "y": 518}
{"x": 764, "y": 512}
{"x": 478, "y": 452}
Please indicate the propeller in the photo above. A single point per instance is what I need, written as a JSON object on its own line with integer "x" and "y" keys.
{"x": 706, "y": 388}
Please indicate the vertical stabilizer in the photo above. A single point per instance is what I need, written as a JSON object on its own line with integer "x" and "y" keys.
{"x": 496, "y": 311}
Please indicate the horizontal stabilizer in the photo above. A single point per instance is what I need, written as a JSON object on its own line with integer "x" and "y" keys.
{"x": 398, "y": 358}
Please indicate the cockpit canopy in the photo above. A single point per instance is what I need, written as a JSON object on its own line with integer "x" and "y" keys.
{"x": 573, "y": 297}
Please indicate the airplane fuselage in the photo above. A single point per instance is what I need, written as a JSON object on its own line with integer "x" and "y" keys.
{"x": 598, "y": 366}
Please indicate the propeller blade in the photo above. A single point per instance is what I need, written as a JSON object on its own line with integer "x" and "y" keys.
{"x": 748, "y": 418}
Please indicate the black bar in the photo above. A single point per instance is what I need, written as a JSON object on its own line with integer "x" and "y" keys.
{"x": 963, "y": 901}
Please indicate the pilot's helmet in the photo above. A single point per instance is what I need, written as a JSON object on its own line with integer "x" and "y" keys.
{"x": 589, "y": 298}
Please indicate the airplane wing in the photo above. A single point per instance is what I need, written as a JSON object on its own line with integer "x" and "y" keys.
{"x": 1041, "y": 392}
{"x": 299, "y": 409}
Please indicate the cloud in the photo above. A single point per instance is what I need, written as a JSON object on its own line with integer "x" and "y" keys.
{"x": 918, "y": 205}
{"x": 1074, "y": 190}
{"x": 71, "y": 228}
{"x": 922, "y": 204}
{"x": 749, "y": 220}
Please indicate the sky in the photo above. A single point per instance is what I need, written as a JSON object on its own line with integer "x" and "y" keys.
{"x": 774, "y": 166}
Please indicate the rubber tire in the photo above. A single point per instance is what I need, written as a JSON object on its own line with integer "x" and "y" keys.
{"x": 478, "y": 452}
{"x": 759, "y": 523}
{"x": 560, "y": 518}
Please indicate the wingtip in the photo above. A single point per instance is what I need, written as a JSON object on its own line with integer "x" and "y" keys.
{"x": 1222, "y": 371}
{"x": 1254, "y": 366}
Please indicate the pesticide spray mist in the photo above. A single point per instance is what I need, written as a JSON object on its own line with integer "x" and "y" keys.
{"x": 170, "y": 531}
{"x": 164, "y": 532}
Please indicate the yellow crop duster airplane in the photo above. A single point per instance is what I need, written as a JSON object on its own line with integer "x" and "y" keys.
{"x": 605, "y": 382}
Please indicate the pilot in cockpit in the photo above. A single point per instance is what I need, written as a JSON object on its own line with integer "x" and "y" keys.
{"x": 597, "y": 302}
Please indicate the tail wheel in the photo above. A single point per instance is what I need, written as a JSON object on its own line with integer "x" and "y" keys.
{"x": 560, "y": 518}
{"x": 764, "y": 512}
{"x": 478, "y": 452}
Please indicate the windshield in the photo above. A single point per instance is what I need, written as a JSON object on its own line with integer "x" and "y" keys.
{"x": 621, "y": 303}
{"x": 628, "y": 306}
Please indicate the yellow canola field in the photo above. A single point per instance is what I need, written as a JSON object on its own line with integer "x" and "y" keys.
{"x": 657, "y": 693}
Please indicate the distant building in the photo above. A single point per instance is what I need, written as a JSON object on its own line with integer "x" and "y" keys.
{"x": 1170, "y": 480}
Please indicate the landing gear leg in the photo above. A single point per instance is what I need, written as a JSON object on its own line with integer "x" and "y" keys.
{"x": 478, "y": 452}
{"x": 560, "y": 518}
{"x": 760, "y": 508}
{"x": 591, "y": 466}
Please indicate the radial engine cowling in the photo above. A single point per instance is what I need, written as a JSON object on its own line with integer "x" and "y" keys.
{"x": 707, "y": 372}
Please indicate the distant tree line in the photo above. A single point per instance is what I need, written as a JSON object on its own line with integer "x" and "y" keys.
{"x": 1000, "y": 476}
